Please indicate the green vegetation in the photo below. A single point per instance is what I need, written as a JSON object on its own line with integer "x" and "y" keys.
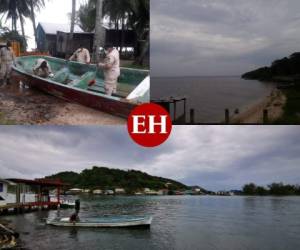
{"x": 123, "y": 14}
{"x": 283, "y": 70}
{"x": 272, "y": 189}
{"x": 101, "y": 177}
{"x": 291, "y": 109}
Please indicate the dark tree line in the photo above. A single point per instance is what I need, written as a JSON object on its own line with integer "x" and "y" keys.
{"x": 288, "y": 66}
{"x": 272, "y": 189}
{"x": 101, "y": 177}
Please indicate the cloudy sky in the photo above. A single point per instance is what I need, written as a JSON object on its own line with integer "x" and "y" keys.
{"x": 221, "y": 37}
{"x": 214, "y": 157}
{"x": 56, "y": 11}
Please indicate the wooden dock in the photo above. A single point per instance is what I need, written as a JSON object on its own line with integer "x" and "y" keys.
{"x": 19, "y": 208}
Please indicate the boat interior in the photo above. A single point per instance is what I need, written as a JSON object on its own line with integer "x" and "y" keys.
{"x": 82, "y": 76}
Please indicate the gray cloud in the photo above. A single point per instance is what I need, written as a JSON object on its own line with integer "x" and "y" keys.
{"x": 215, "y": 157}
{"x": 221, "y": 37}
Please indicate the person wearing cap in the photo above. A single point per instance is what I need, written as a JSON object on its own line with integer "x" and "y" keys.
{"x": 7, "y": 59}
{"x": 111, "y": 69}
{"x": 81, "y": 55}
{"x": 42, "y": 68}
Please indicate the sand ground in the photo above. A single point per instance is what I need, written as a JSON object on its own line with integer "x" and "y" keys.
{"x": 274, "y": 103}
{"x": 31, "y": 107}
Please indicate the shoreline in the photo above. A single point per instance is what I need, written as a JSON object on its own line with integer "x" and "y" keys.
{"x": 253, "y": 114}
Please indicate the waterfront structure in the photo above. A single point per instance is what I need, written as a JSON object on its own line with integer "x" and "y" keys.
{"x": 120, "y": 191}
{"x": 97, "y": 191}
{"x": 5, "y": 196}
{"x": 20, "y": 194}
{"x": 54, "y": 38}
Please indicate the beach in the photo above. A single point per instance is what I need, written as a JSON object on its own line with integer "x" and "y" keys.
{"x": 210, "y": 96}
{"x": 29, "y": 107}
{"x": 254, "y": 114}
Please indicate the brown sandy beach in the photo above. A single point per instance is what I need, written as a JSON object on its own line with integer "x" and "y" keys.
{"x": 29, "y": 107}
{"x": 274, "y": 103}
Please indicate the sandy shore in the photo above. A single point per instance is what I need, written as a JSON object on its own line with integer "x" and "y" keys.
{"x": 274, "y": 103}
{"x": 31, "y": 107}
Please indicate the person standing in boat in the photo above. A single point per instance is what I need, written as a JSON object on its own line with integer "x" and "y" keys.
{"x": 111, "y": 69}
{"x": 81, "y": 55}
{"x": 75, "y": 216}
{"x": 7, "y": 59}
{"x": 42, "y": 68}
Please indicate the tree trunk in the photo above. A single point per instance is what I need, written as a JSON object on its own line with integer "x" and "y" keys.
{"x": 72, "y": 27}
{"x": 33, "y": 20}
{"x": 73, "y": 18}
{"x": 144, "y": 52}
{"x": 22, "y": 25}
{"x": 99, "y": 37}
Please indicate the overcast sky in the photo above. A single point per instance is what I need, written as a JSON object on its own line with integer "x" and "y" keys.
{"x": 221, "y": 37}
{"x": 55, "y": 11}
{"x": 215, "y": 157}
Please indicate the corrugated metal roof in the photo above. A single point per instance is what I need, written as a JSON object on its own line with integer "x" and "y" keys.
{"x": 52, "y": 28}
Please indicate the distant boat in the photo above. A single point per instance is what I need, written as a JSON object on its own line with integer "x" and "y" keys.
{"x": 84, "y": 84}
{"x": 104, "y": 222}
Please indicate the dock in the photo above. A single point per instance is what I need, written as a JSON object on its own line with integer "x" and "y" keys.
{"x": 20, "y": 208}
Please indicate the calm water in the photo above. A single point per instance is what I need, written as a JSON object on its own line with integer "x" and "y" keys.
{"x": 187, "y": 222}
{"x": 210, "y": 96}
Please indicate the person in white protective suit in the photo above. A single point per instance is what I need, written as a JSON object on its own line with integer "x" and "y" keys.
{"x": 81, "y": 55}
{"x": 42, "y": 68}
{"x": 7, "y": 60}
{"x": 111, "y": 69}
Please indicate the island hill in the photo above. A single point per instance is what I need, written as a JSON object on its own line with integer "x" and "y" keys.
{"x": 283, "y": 70}
{"x": 102, "y": 180}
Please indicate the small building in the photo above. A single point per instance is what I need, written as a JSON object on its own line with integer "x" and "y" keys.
{"x": 120, "y": 191}
{"x": 109, "y": 192}
{"x": 7, "y": 194}
{"x": 37, "y": 192}
{"x": 47, "y": 36}
{"x": 74, "y": 191}
{"x": 54, "y": 38}
{"x": 98, "y": 191}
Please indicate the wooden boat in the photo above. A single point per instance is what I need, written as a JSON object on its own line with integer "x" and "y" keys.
{"x": 72, "y": 82}
{"x": 104, "y": 222}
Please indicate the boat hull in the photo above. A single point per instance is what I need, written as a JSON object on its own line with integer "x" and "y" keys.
{"x": 104, "y": 223}
{"x": 109, "y": 105}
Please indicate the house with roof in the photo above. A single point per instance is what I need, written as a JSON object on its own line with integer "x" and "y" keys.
{"x": 7, "y": 192}
{"x": 54, "y": 38}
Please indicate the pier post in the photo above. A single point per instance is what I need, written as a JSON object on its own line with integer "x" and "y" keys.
{"x": 184, "y": 108}
{"x": 266, "y": 116}
{"x": 227, "y": 116}
{"x": 175, "y": 110}
{"x": 192, "y": 116}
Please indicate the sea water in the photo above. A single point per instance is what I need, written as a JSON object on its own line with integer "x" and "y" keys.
{"x": 179, "y": 222}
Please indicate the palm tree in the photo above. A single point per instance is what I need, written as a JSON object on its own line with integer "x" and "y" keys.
{"x": 73, "y": 19}
{"x": 35, "y": 4}
{"x": 99, "y": 37}
{"x": 124, "y": 14}
{"x": 15, "y": 9}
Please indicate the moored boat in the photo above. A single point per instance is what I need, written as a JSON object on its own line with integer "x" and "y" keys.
{"x": 104, "y": 222}
{"x": 72, "y": 82}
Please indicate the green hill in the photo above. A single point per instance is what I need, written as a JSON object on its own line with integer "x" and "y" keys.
{"x": 286, "y": 69}
{"x": 102, "y": 177}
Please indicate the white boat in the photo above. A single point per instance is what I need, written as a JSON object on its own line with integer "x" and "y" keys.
{"x": 104, "y": 222}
